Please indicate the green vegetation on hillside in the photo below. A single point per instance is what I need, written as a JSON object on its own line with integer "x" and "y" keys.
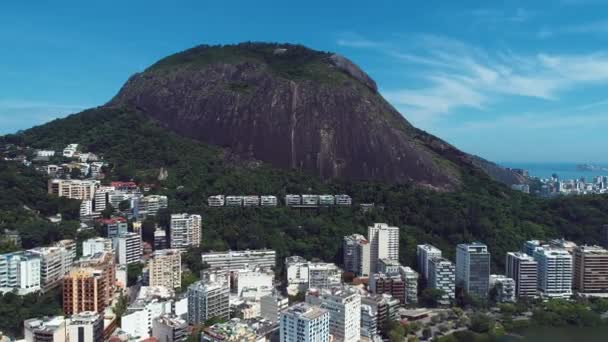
{"x": 482, "y": 210}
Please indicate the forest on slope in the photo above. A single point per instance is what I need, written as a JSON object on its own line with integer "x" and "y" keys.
{"x": 137, "y": 148}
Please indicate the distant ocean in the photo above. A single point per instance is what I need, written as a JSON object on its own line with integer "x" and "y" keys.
{"x": 563, "y": 170}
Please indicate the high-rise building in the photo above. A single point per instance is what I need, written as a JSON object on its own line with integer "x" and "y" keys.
{"x": 207, "y": 300}
{"x": 20, "y": 271}
{"x": 424, "y": 253}
{"x": 96, "y": 245}
{"x": 473, "y": 268}
{"x": 84, "y": 290}
{"x": 384, "y": 244}
{"x": 101, "y": 199}
{"x": 297, "y": 274}
{"x": 165, "y": 268}
{"x": 149, "y": 205}
{"x": 128, "y": 248}
{"x": 504, "y": 286}
{"x": 114, "y": 227}
{"x": 170, "y": 328}
{"x": 442, "y": 276}
{"x": 252, "y": 284}
{"x": 47, "y": 329}
{"x": 73, "y": 188}
{"x": 86, "y": 326}
{"x": 271, "y": 306}
{"x": 356, "y": 254}
{"x": 185, "y": 231}
{"x": 523, "y": 269}
{"x": 410, "y": 277}
{"x": 393, "y": 284}
{"x": 103, "y": 262}
{"x": 237, "y": 260}
{"x": 322, "y": 275}
{"x": 389, "y": 266}
{"x": 344, "y": 307}
{"x": 591, "y": 269}
{"x": 369, "y": 321}
{"x": 554, "y": 272}
{"x": 304, "y": 323}
{"x": 55, "y": 262}
{"x": 160, "y": 239}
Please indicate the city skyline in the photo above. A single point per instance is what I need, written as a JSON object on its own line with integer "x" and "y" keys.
{"x": 516, "y": 82}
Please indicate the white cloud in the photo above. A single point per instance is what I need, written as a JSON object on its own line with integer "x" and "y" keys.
{"x": 454, "y": 75}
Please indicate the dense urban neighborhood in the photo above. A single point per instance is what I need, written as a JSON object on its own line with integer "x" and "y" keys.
{"x": 138, "y": 272}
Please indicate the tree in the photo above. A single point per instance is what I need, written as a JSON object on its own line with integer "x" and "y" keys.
{"x": 481, "y": 323}
{"x": 134, "y": 271}
{"x": 107, "y": 212}
{"x": 431, "y": 297}
{"x": 121, "y": 306}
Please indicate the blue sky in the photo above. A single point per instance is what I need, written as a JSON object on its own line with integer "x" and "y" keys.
{"x": 522, "y": 81}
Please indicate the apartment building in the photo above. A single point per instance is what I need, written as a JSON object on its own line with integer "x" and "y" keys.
{"x": 473, "y": 268}
{"x": 554, "y": 272}
{"x": 20, "y": 271}
{"x": 170, "y": 328}
{"x": 73, "y": 188}
{"x": 114, "y": 227}
{"x": 304, "y": 323}
{"x": 442, "y": 276}
{"x": 523, "y": 269}
{"x": 504, "y": 286}
{"x": 271, "y": 306}
{"x": 251, "y": 201}
{"x": 55, "y": 262}
{"x": 160, "y": 239}
{"x": 296, "y": 274}
{"x": 268, "y": 201}
{"x": 150, "y": 205}
{"x": 327, "y": 200}
{"x": 424, "y": 253}
{"x": 234, "y": 201}
{"x": 85, "y": 326}
{"x": 96, "y": 245}
{"x": 47, "y": 329}
{"x": 216, "y": 201}
{"x": 165, "y": 268}
{"x": 384, "y": 244}
{"x": 236, "y": 260}
{"x": 591, "y": 269}
{"x": 357, "y": 254}
{"x": 128, "y": 248}
{"x": 103, "y": 262}
{"x": 252, "y": 284}
{"x": 393, "y": 284}
{"x": 344, "y": 307}
{"x": 84, "y": 290}
{"x": 291, "y": 200}
{"x": 207, "y": 300}
{"x": 323, "y": 275}
{"x": 185, "y": 231}
{"x": 343, "y": 200}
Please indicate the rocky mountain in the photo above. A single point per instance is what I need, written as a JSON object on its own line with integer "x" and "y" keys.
{"x": 294, "y": 108}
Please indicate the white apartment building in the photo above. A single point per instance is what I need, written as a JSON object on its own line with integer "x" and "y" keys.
{"x": 150, "y": 205}
{"x": 254, "y": 283}
{"x": 216, "y": 201}
{"x": 234, "y": 201}
{"x": 45, "y": 153}
{"x": 343, "y": 200}
{"x": 523, "y": 269}
{"x": 554, "y": 272}
{"x": 86, "y": 208}
{"x": 297, "y": 274}
{"x": 151, "y": 303}
{"x": 356, "y": 254}
{"x": 251, "y": 201}
{"x": 207, "y": 300}
{"x": 48, "y": 329}
{"x": 165, "y": 268}
{"x": 20, "y": 271}
{"x": 86, "y": 326}
{"x": 170, "y": 328}
{"x": 323, "y": 275}
{"x": 236, "y": 260}
{"x": 344, "y": 307}
{"x": 185, "y": 231}
{"x": 55, "y": 262}
{"x": 272, "y": 305}
{"x": 424, "y": 253}
{"x": 310, "y": 200}
{"x": 410, "y": 277}
{"x": 268, "y": 201}
{"x": 327, "y": 200}
{"x": 304, "y": 323}
{"x": 384, "y": 244}
{"x": 128, "y": 248}
{"x": 73, "y": 188}
{"x": 291, "y": 200}
{"x": 442, "y": 276}
{"x": 96, "y": 245}
{"x": 101, "y": 198}
{"x": 505, "y": 287}
{"x": 70, "y": 150}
